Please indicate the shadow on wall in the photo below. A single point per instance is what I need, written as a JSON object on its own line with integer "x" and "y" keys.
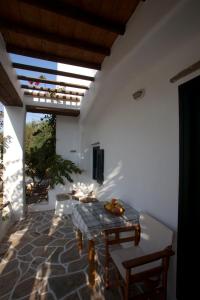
{"x": 6, "y": 219}
{"x": 108, "y": 189}
{"x": 14, "y": 190}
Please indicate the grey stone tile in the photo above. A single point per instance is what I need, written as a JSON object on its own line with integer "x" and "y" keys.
{"x": 54, "y": 258}
{"x": 25, "y": 250}
{"x": 48, "y": 270}
{"x": 64, "y": 285}
{"x": 42, "y": 240}
{"x": 28, "y": 287}
{"x": 58, "y": 242}
{"x": 43, "y": 251}
{"x": 70, "y": 255}
{"x": 8, "y": 266}
{"x": 8, "y": 281}
{"x": 79, "y": 264}
{"x": 41, "y": 257}
{"x": 73, "y": 296}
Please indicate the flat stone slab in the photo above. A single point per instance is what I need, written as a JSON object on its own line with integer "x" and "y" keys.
{"x": 7, "y": 281}
{"x": 63, "y": 285}
{"x": 39, "y": 260}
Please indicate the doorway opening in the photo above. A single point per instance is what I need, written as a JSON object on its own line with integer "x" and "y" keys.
{"x": 189, "y": 188}
{"x": 40, "y": 146}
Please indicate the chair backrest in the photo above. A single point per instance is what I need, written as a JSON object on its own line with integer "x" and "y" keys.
{"x": 122, "y": 235}
{"x": 155, "y": 235}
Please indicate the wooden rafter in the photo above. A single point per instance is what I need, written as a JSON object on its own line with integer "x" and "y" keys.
{"x": 45, "y": 89}
{"x": 12, "y": 48}
{"x": 54, "y": 82}
{"x": 51, "y": 71}
{"x": 25, "y": 29}
{"x": 70, "y": 11}
{"x": 8, "y": 94}
{"x": 52, "y": 110}
{"x": 186, "y": 71}
{"x": 48, "y": 96}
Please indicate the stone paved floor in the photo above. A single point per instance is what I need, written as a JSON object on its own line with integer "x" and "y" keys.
{"x": 39, "y": 259}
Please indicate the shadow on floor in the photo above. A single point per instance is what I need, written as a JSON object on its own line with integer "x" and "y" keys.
{"x": 40, "y": 260}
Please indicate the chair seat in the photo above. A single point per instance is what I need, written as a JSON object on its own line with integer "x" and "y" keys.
{"x": 123, "y": 254}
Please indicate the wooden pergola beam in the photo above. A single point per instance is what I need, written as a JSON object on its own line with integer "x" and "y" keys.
{"x": 54, "y": 82}
{"x": 70, "y": 11}
{"x": 52, "y": 110}
{"x": 45, "y": 89}
{"x": 52, "y": 37}
{"x": 51, "y": 71}
{"x": 193, "y": 68}
{"x": 8, "y": 94}
{"x": 48, "y": 96}
{"x": 12, "y": 48}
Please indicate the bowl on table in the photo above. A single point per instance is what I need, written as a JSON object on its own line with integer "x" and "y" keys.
{"x": 114, "y": 207}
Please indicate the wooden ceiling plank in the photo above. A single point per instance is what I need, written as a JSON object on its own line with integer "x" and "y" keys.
{"x": 78, "y": 14}
{"x": 48, "y": 96}
{"x": 51, "y": 71}
{"x": 12, "y": 48}
{"x": 52, "y": 110}
{"x": 25, "y": 29}
{"x": 45, "y": 89}
{"x": 27, "y": 78}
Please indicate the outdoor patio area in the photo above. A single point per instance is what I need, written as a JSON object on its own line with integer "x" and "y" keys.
{"x": 40, "y": 260}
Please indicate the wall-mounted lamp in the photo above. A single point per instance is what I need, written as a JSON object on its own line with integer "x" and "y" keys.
{"x": 139, "y": 94}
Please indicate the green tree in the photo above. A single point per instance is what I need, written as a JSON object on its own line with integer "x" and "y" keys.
{"x": 41, "y": 160}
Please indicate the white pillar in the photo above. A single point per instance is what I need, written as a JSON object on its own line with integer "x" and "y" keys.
{"x": 14, "y": 124}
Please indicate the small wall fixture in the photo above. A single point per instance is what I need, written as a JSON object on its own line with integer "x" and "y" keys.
{"x": 139, "y": 94}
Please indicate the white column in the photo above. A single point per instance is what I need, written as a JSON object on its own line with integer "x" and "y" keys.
{"x": 14, "y": 122}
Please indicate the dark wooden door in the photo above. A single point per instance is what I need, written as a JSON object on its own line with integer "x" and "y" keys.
{"x": 188, "y": 250}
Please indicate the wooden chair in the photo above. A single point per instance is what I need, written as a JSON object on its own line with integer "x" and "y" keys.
{"x": 116, "y": 236}
{"x": 146, "y": 264}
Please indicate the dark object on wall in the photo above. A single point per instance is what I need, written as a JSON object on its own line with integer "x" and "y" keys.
{"x": 139, "y": 94}
{"x": 189, "y": 189}
{"x": 98, "y": 164}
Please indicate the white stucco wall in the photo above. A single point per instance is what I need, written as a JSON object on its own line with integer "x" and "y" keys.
{"x": 67, "y": 141}
{"x": 68, "y": 138}
{"x": 141, "y": 138}
{"x": 14, "y": 120}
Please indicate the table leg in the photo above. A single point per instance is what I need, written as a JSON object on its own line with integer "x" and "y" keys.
{"x": 79, "y": 237}
{"x": 91, "y": 255}
{"x": 137, "y": 234}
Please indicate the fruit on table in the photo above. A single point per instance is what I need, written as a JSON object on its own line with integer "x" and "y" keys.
{"x": 114, "y": 207}
{"x": 109, "y": 206}
{"x": 114, "y": 201}
{"x": 117, "y": 210}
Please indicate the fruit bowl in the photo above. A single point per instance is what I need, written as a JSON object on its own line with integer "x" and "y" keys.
{"x": 114, "y": 207}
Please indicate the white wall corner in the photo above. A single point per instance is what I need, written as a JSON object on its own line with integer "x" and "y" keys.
{"x": 14, "y": 127}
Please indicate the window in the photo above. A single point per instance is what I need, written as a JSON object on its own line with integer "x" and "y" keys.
{"x": 98, "y": 164}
